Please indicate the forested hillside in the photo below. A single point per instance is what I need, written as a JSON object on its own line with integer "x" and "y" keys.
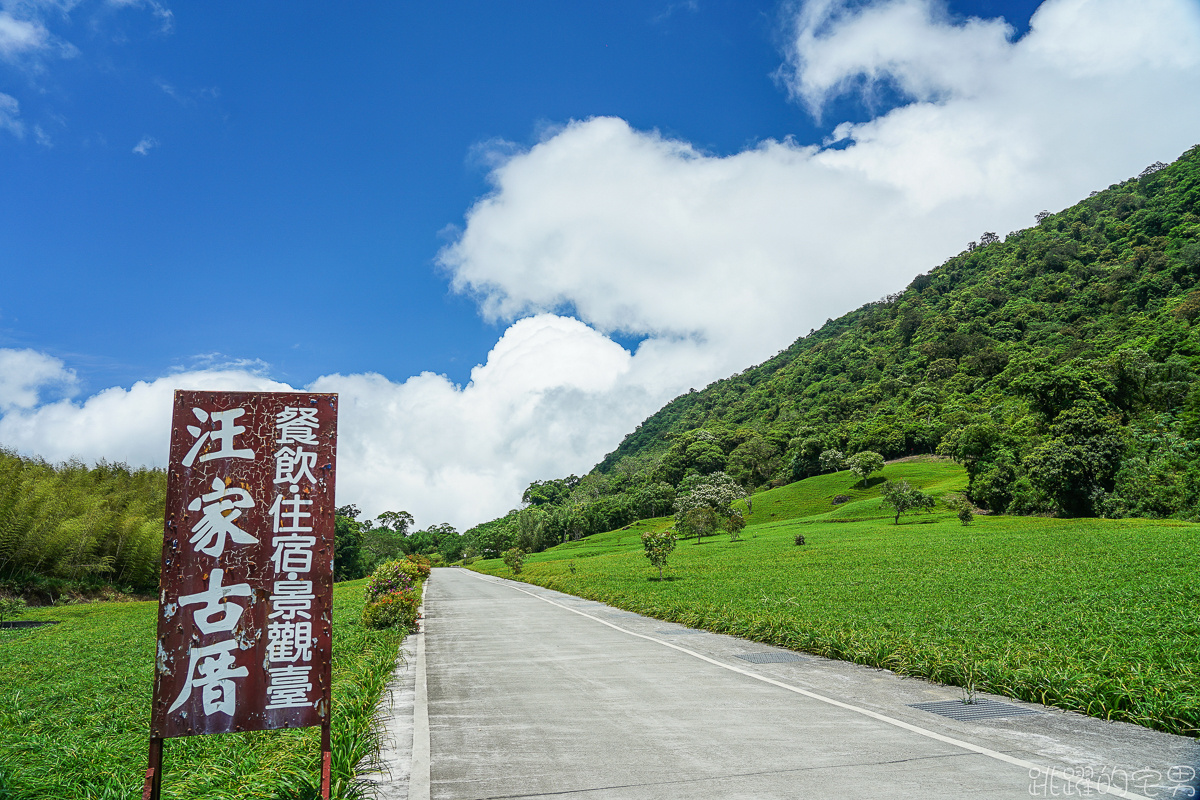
{"x": 1057, "y": 363}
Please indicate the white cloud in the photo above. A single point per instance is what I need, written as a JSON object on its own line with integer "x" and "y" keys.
{"x": 20, "y": 38}
{"x": 131, "y": 425}
{"x": 718, "y": 261}
{"x": 837, "y": 47}
{"x": 164, "y": 15}
{"x": 10, "y": 115}
{"x": 25, "y": 374}
{"x": 644, "y": 234}
{"x": 143, "y": 147}
{"x": 443, "y": 452}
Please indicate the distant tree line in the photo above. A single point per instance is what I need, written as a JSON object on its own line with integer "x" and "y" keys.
{"x": 362, "y": 545}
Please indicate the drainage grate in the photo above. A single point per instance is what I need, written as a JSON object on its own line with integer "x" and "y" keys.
{"x": 771, "y": 658}
{"x": 980, "y": 709}
{"x": 676, "y": 632}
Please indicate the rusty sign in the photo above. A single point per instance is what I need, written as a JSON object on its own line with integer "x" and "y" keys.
{"x": 247, "y": 564}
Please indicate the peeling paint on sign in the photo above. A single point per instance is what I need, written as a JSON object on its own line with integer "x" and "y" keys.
{"x": 247, "y": 565}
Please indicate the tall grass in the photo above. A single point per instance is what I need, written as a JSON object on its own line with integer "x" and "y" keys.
{"x": 101, "y": 524}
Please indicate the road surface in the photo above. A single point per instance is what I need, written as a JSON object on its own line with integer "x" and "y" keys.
{"x": 514, "y": 691}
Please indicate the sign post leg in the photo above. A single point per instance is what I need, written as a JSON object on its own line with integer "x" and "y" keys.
{"x": 153, "y": 785}
{"x": 326, "y": 758}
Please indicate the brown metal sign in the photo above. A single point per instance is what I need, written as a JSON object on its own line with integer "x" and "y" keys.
{"x": 247, "y": 564}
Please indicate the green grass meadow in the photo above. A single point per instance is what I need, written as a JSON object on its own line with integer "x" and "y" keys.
{"x": 1098, "y": 616}
{"x": 75, "y": 712}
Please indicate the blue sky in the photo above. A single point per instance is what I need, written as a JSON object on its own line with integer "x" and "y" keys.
{"x": 347, "y": 196}
{"x": 306, "y": 147}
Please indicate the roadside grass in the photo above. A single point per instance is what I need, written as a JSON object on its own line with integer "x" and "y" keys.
{"x": 75, "y": 712}
{"x": 1097, "y": 616}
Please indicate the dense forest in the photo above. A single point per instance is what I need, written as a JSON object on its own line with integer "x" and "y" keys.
{"x": 1057, "y": 363}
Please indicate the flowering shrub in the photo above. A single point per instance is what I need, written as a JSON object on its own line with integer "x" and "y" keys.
{"x": 421, "y": 565}
{"x": 396, "y": 609}
{"x": 389, "y": 577}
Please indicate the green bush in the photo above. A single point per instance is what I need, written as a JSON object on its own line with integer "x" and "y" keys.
{"x": 514, "y": 557}
{"x": 394, "y": 610}
{"x": 11, "y": 607}
{"x": 960, "y": 505}
{"x": 389, "y": 577}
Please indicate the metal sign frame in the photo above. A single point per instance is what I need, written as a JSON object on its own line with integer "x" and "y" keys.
{"x": 246, "y": 586}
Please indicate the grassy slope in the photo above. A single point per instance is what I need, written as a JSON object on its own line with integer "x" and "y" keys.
{"x": 1091, "y": 615}
{"x": 75, "y": 711}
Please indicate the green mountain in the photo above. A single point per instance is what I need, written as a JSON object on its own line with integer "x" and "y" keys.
{"x": 1058, "y": 364}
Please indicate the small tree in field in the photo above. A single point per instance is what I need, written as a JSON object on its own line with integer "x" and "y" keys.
{"x": 903, "y": 497}
{"x": 865, "y": 464}
{"x": 962, "y": 507}
{"x": 735, "y": 524}
{"x": 658, "y": 545}
{"x": 699, "y": 522}
{"x": 514, "y": 557}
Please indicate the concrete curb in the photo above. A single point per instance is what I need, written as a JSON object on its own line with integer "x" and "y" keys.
{"x": 402, "y": 771}
{"x": 418, "y": 784}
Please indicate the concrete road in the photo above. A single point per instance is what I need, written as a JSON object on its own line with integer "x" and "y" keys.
{"x": 519, "y": 692}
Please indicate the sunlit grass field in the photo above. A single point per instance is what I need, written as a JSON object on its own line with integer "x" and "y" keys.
{"x": 75, "y": 712}
{"x": 1099, "y": 616}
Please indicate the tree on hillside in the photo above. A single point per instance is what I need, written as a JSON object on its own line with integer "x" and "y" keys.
{"x": 706, "y": 456}
{"x": 903, "y": 497}
{"x": 552, "y": 492}
{"x": 1078, "y": 464}
{"x": 755, "y": 462}
{"x": 397, "y": 522}
{"x": 532, "y": 523}
{"x": 654, "y": 500}
{"x": 863, "y": 465}
{"x": 706, "y": 505}
{"x": 832, "y": 460}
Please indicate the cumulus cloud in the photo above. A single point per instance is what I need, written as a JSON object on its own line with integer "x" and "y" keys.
{"x": 716, "y": 262}
{"x": 441, "y": 451}
{"x": 25, "y": 374}
{"x": 644, "y": 234}
{"x": 131, "y": 425}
